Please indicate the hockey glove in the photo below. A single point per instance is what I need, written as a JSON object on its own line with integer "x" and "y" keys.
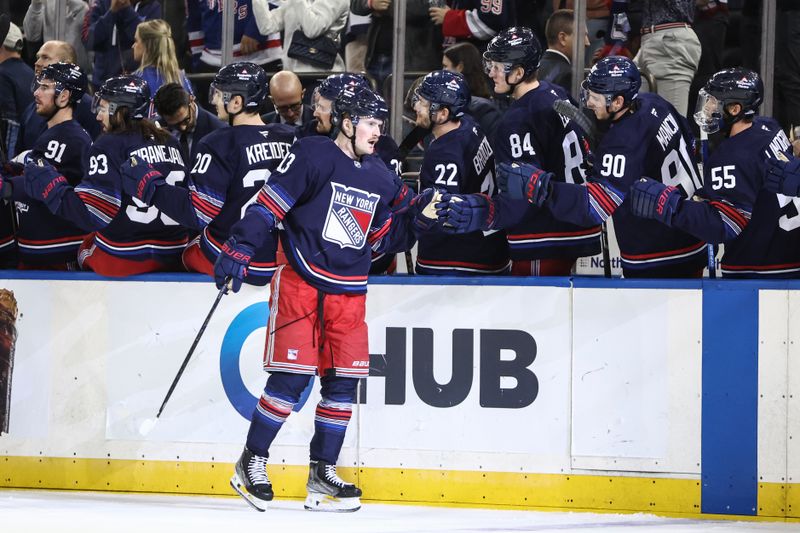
{"x": 524, "y": 181}
{"x": 45, "y": 183}
{"x": 465, "y": 213}
{"x": 783, "y": 176}
{"x": 232, "y": 263}
{"x": 140, "y": 179}
{"x": 423, "y": 208}
{"x": 652, "y": 199}
{"x": 12, "y": 168}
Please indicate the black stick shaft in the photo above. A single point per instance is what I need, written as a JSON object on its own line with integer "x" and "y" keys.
{"x": 220, "y": 294}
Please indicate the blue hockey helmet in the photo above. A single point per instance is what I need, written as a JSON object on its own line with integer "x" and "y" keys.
{"x": 66, "y": 76}
{"x": 613, "y": 76}
{"x": 244, "y": 79}
{"x": 730, "y": 86}
{"x": 355, "y": 103}
{"x": 445, "y": 90}
{"x": 515, "y": 47}
{"x": 124, "y": 91}
{"x": 333, "y": 84}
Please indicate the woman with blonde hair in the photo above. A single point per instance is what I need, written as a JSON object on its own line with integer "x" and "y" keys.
{"x": 154, "y": 50}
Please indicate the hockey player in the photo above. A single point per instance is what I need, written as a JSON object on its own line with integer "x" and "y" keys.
{"x": 230, "y": 166}
{"x": 532, "y": 132}
{"x": 458, "y": 160}
{"x": 333, "y": 199}
{"x": 46, "y": 241}
{"x": 645, "y": 137}
{"x": 758, "y": 227}
{"x": 127, "y": 236}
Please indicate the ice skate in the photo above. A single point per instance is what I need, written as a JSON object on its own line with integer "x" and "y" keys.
{"x": 250, "y": 480}
{"x": 328, "y": 492}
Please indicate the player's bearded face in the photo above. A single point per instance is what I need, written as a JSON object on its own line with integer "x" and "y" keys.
{"x": 103, "y": 117}
{"x": 322, "y": 112}
{"x": 368, "y": 130}
{"x": 597, "y": 103}
{"x": 44, "y": 96}
{"x": 422, "y": 108}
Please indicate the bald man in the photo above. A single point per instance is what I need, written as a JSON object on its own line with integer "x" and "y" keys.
{"x": 286, "y": 94}
{"x": 34, "y": 125}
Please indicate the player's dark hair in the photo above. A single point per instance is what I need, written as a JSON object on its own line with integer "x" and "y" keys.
{"x": 121, "y": 122}
{"x": 469, "y": 57}
{"x": 169, "y": 98}
{"x": 560, "y": 20}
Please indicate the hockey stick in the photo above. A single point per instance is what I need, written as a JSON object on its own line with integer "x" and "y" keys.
{"x": 567, "y": 110}
{"x": 222, "y": 292}
{"x": 712, "y": 253}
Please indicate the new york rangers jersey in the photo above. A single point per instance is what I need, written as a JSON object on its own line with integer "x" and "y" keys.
{"x": 334, "y": 212}
{"x": 125, "y": 227}
{"x": 477, "y": 20}
{"x": 42, "y": 237}
{"x": 760, "y": 229}
{"x": 204, "y": 26}
{"x": 651, "y": 140}
{"x": 230, "y": 167}
{"x": 533, "y": 133}
{"x": 461, "y": 161}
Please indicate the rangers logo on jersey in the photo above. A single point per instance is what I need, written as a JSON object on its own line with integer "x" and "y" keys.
{"x": 349, "y": 216}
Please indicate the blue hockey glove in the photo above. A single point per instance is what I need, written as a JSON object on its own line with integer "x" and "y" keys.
{"x": 140, "y": 179}
{"x": 232, "y": 264}
{"x": 465, "y": 213}
{"x": 423, "y": 208}
{"x": 45, "y": 183}
{"x": 783, "y": 176}
{"x": 524, "y": 181}
{"x": 652, "y": 199}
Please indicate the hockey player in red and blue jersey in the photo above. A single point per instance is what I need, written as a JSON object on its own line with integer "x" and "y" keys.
{"x": 532, "y": 132}
{"x": 230, "y": 166}
{"x": 473, "y": 20}
{"x": 645, "y": 137}
{"x": 45, "y": 240}
{"x": 333, "y": 199}
{"x": 758, "y": 227}
{"x": 127, "y": 236}
{"x": 458, "y": 161}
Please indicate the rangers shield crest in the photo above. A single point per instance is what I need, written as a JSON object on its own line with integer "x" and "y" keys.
{"x": 349, "y": 216}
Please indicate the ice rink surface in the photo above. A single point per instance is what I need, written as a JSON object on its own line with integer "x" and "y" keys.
{"x": 26, "y": 511}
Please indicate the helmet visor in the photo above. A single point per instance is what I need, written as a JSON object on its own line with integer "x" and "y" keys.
{"x": 708, "y": 113}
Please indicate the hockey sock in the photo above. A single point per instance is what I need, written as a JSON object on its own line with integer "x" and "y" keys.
{"x": 280, "y": 395}
{"x": 331, "y": 418}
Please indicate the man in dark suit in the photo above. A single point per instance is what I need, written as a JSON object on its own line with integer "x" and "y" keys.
{"x": 286, "y": 94}
{"x": 556, "y": 65}
{"x": 188, "y": 121}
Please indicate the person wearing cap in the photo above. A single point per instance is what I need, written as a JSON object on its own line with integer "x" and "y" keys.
{"x": 15, "y": 87}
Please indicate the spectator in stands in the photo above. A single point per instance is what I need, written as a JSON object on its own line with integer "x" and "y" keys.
{"x": 465, "y": 58}
{"x": 108, "y": 31}
{"x": 40, "y": 25}
{"x": 670, "y": 50}
{"x": 711, "y": 26}
{"x": 556, "y": 65}
{"x": 423, "y": 39}
{"x": 312, "y": 18}
{"x": 34, "y": 125}
{"x": 154, "y": 50}
{"x": 205, "y": 36}
{"x": 181, "y": 115}
{"x": 598, "y": 18}
{"x": 286, "y": 94}
{"x": 15, "y": 87}
{"x": 474, "y": 20}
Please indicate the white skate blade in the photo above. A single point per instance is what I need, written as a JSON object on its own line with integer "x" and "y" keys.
{"x": 316, "y": 501}
{"x": 255, "y": 503}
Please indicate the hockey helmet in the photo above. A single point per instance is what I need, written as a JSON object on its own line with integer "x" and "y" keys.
{"x": 613, "y": 76}
{"x": 514, "y": 47}
{"x": 124, "y": 91}
{"x": 445, "y": 90}
{"x": 730, "y": 86}
{"x": 66, "y": 76}
{"x": 244, "y": 79}
{"x": 333, "y": 84}
{"x": 356, "y": 103}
